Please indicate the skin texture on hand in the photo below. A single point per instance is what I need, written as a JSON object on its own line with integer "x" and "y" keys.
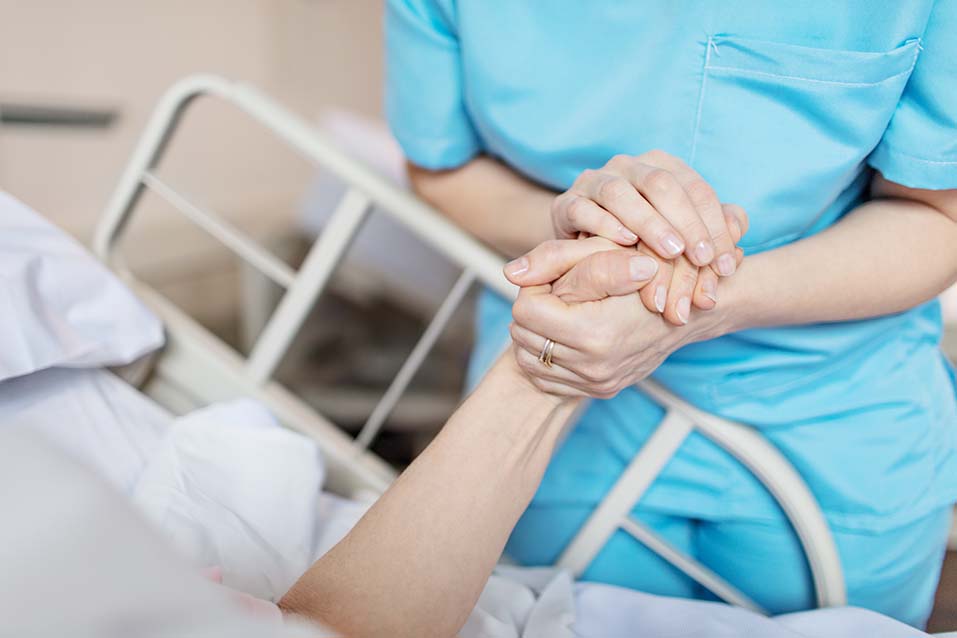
{"x": 675, "y": 285}
{"x": 655, "y": 198}
{"x": 601, "y": 346}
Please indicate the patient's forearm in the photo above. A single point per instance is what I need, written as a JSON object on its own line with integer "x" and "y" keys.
{"x": 886, "y": 256}
{"x": 418, "y": 560}
{"x": 490, "y": 201}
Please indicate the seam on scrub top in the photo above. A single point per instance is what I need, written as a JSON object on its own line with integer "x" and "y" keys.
{"x": 893, "y": 151}
{"x": 704, "y": 84}
{"x": 741, "y": 71}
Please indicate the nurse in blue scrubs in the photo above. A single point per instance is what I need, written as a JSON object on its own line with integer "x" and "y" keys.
{"x": 834, "y": 125}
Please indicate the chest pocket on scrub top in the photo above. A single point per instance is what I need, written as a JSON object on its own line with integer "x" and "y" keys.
{"x": 783, "y": 129}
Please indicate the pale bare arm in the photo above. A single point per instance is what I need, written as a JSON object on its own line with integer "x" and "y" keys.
{"x": 890, "y": 254}
{"x": 491, "y": 201}
{"x": 418, "y": 560}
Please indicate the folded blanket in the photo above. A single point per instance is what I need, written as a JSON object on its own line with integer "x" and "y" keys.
{"x": 232, "y": 488}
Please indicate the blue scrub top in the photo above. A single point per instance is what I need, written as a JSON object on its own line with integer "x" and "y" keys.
{"x": 786, "y": 109}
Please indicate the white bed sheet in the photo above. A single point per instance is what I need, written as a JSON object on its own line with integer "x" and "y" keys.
{"x": 119, "y": 433}
{"x": 92, "y": 415}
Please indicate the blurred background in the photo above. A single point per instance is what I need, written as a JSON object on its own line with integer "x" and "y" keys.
{"x": 77, "y": 84}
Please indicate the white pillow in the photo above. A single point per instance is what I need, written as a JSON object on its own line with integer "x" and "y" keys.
{"x": 59, "y": 306}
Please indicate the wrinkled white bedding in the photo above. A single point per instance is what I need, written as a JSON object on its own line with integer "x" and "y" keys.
{"x": 232, "y": 488}
{"x": 59, "y": 306}
{"x": 229, "y": 487}
{"x": 92, "y": 415}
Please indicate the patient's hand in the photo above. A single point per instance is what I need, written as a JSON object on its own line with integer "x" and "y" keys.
{"x": 604, "y": 338}
{"x": 668, "y": 287}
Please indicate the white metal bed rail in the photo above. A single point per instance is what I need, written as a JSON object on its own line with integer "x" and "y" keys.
{"x": 302, "y": 288}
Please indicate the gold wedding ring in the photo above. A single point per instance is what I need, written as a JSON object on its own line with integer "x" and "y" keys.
{"x": 546, "y": 356}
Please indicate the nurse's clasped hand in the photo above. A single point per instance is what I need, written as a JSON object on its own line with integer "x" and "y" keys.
{"x": 580, "y": 294}
{"x": 655, "y": 198}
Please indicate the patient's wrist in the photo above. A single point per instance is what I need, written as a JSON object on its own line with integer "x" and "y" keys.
{"x": 510, "y": 375}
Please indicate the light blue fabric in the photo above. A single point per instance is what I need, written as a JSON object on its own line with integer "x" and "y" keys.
{"x": 894, "y": 573}
{"x": 785, "y": 108}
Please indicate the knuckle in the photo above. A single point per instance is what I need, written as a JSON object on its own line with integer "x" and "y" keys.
{"x": 576, "y": 210}
{"x": 734, "y": 209}
{"x": 607, "y": 389}
{"x": 548, "y": 251}
{"x": 589, "y": 372}
{"x": 561, "y": 202}
{"x": 590, "y": 343}
{"x": 686, "y": 279}
{"x": 656, "y": 156}
{"x": 739, "y": 215}
{"x": 614, "y": 189}
{"x": 610, "y": 387}
{"x": 701, "y": 194}
{"x": 599, "y": 270}
{"x": 619, "y": 161}
{"x": 600, "y": 342}
{"x": 596, "y": 372}
{"x": 587, "y": 175}
{"x": 604, "y": 282}
{"x": 598, "y": 263}
{"x": 563, "y": 285}
{"x": 606, "y": 372}
{"x": 660, "y": 181}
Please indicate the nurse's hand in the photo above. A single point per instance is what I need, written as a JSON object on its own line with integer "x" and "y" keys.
{"x": 655, "y": 198}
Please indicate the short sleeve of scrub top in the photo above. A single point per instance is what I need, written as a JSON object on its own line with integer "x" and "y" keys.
{"x": 919, "y": 147}
{"x": 424, "y": 88}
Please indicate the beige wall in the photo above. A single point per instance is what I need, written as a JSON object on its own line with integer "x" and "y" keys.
{"x": 309, "y": 54}
{"x": 124, "y": 53}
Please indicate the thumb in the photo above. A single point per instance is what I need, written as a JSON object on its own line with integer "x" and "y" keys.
{"x": 610, "y": 273}
{"x": 551, "y": 259}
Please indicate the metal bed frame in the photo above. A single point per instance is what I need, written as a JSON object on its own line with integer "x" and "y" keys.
{"x": 196, "y": 368}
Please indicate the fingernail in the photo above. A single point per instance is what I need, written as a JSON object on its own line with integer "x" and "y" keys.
{"x": 726, "y": 265}
{"x": 661, "y": 296}
{"x": 627, "y": 235}
{"x": 683, "y": 309}
{"x": 517, "y": 267}
{"x": 703, "y": 252}
{"x": 642, "y": 268}
{"x": 672, "y": 245}
{"x": 709, "y": 290}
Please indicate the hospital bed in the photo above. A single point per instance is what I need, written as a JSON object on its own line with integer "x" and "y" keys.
{"x": 196, "y": 368}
